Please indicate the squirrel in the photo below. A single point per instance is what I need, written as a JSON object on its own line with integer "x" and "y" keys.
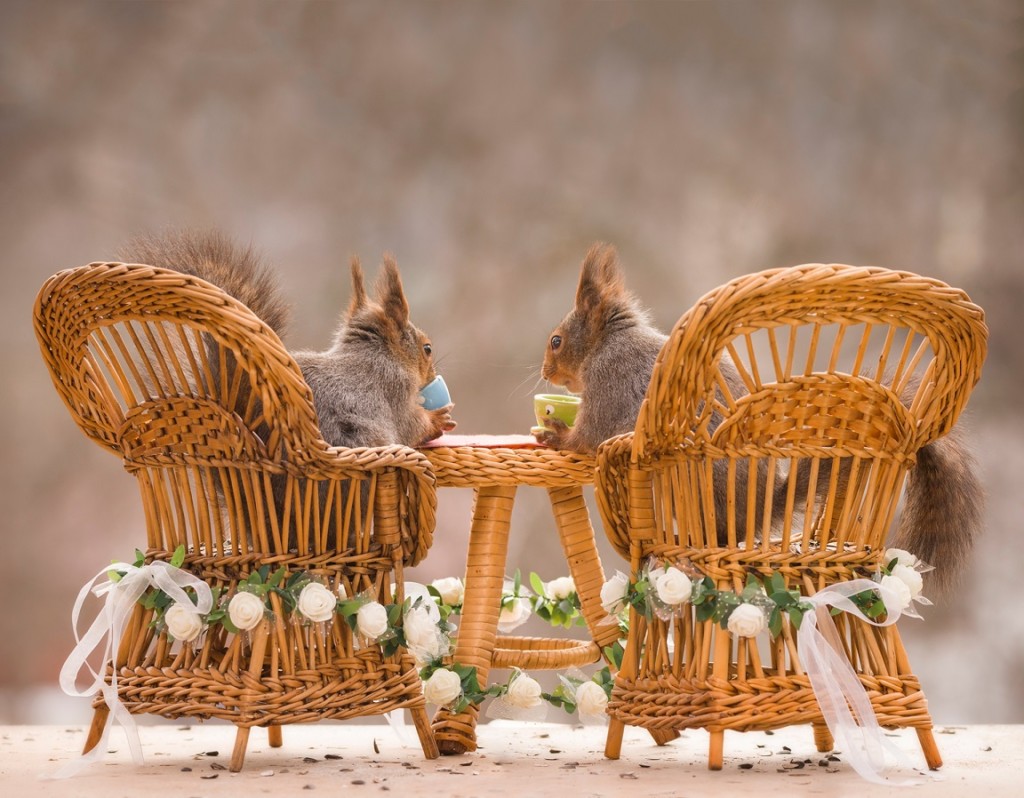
{"x": 366, "y": 384}
{"x": 605, "y": 349}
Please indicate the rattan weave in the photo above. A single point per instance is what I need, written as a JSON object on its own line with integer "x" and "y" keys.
{"x": 825, "y": 352}
{"x": 241, "y": 484}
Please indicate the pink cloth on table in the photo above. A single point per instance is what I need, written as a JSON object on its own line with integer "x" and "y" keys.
{"x": 484, "y": 442}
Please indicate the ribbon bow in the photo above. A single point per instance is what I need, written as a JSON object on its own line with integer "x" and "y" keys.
{"x": 842, "y": 698}
{"x": 120, "y": 599}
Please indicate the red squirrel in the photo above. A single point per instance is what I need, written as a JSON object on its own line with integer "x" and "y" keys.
{"x": 366, "y": 383}
{"x": 604, "y": 350}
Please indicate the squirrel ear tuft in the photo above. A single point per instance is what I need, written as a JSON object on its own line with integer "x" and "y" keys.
{"x": 390, "y": 293}
{"x": 601, "y": 279}
{"x": 358, "y": 289}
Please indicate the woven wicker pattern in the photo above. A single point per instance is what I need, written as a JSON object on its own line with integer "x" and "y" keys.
{"x": 127, "y": 348}
{"x": 823, "y": 354}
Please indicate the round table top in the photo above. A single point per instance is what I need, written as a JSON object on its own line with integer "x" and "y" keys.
{"x": 467, "y": 461}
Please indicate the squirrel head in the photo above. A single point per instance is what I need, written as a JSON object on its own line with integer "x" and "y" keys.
{"x": 602, "y": 305}
{"x": 386, "y": 320}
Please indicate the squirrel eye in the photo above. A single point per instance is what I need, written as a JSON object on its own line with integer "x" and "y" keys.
{"x": 427, "y": 350}
{"x": 556, "y": 341}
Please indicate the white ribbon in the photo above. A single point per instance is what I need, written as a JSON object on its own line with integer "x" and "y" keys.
{"x": 121, "y": 597}
{"x": 842, "y": 698}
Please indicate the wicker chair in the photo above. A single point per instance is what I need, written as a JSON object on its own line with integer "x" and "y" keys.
{"x": 128, "y": 351}
{"x": 824, "y": 352}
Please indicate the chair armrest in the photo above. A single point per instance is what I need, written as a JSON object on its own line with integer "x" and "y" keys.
{"x": 612, "y": 488}
{"x": 416, "y": 489}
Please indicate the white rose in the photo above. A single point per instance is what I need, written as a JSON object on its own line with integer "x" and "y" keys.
{"x": 183, "y": 622}
{"x": 672, "y": 586}
{"x": 591, "y": 699}
{"x": 513, "y": 615}
{"x": 451, "y": 589}
{"x": 910, "y": 577}
{"x": 245, "y": 610}
{"x": 420, "y": 630}
{"x": 558, "y": 589}
{"x": 898, "y": 592}
{"x": 613, "y": 594}
{"x": 901, "y": 556}
{"x": 372, "y": 620}
{"x": 443, "y": 687}
{"x": 747, "y": 621}
{"x": 316, "y": 602}
{"x": 524, "y": 692}
{"x": 415, "y": 593}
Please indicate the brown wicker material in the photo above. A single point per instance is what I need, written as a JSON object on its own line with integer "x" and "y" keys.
{"x": 824, "y": 351}
{"x": 495, "y": 473}
{"x": 125, "y": 348}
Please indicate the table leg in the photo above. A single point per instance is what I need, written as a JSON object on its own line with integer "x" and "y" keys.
{"x": 576, "y": 533}
{"x": 478, "y": 626}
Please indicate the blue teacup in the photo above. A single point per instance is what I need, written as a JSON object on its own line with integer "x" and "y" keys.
{"x": 435, "y": 394}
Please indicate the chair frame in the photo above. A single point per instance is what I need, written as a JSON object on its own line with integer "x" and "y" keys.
{"x": 900, "y": 336}
{"x": 129, "y": 350}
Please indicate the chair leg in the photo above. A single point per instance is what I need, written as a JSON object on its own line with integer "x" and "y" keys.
{"x": 663, "y": 736}
{"x": 99, "y": 720}
{"x": 823, "y": 738}
{"x": 715, "y": 750}
{"x": 274, "y": 736}
{"x": 421, "y": 720}
{"x": 613, "y": 744}
{"x": 930, "y": 749}
{"x": 238, "y": 755}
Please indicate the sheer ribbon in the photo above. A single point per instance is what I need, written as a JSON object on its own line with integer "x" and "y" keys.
{"x": 106, "y": 630}
{"x": 843, "y": 700}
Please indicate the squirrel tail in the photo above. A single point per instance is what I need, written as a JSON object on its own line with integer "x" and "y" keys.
{"x": 240, "y": 273}
{"x": 212, "y": 256}
{"x": 942, "y": 514}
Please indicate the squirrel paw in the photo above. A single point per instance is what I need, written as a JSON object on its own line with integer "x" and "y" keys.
{"x": 555, "y": 434}
{"x": 440, "y": 421}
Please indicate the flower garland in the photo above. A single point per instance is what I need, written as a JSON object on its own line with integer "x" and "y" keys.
{"x": 663, "y": 589}
{"x": 420, "y": 624}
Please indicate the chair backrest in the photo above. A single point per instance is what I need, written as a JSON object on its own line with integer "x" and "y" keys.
{"x": 210, "y": 412}
{"x": 787, "y": 406}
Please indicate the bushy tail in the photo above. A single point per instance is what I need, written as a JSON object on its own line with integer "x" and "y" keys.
{"x": 239, "y": 272}
{"x": 212, "y": 256}
{"x": 942, "y": 514}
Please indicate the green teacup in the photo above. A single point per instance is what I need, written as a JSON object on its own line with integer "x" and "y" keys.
{"x": 555, "y": 405}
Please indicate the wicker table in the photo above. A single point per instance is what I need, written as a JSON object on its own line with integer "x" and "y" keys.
{"x": 494, "y": 471}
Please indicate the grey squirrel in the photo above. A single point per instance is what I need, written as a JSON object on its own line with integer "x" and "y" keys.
{"x": 366, "y": 384}
{"x": 604, "y": 350}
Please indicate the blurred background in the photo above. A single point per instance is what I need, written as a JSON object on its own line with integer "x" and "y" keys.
{"x": 488, "y": 145}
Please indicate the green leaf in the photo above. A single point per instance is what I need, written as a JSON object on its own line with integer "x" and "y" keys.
{"x": 278, "y": 577}
{"x": 752, "y": 588}
{"x": 796, "y": 616}
{"x": 536, "y": 583}
{"x": 179, "y": 556}
{"x": 775, "y": 622}
{"x": 783, "y": 598}
{"x": 778, "y": 582}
